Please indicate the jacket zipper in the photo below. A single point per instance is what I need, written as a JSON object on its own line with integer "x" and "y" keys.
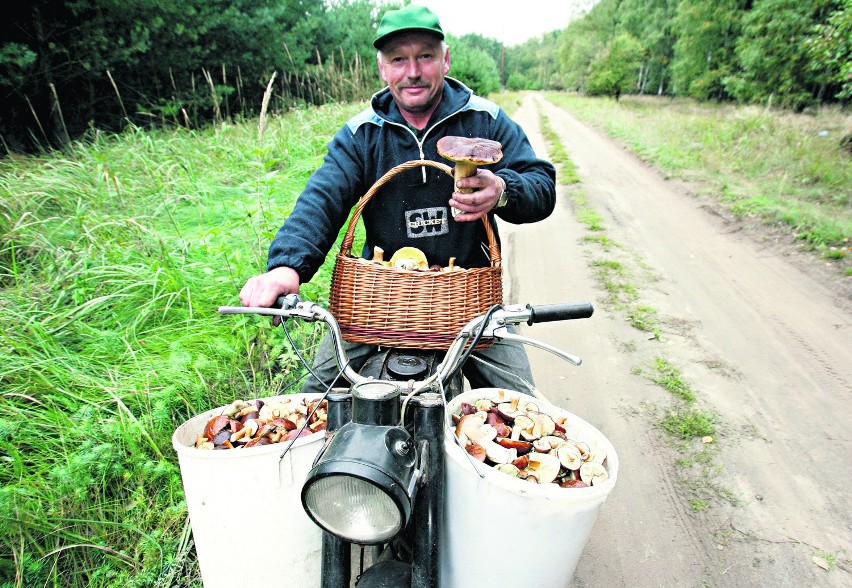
{"x": 421, "y": 142}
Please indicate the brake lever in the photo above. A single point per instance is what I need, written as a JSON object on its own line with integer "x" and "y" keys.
{"x": 307, "y": 311}
{"x": 501, "y": 332}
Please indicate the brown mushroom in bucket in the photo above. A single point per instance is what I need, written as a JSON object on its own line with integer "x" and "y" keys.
{"x": 468, "y": 153}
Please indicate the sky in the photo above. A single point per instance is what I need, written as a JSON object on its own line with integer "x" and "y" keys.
{"x": 510, "y": 21}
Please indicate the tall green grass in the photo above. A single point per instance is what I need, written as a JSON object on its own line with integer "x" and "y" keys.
{"x": 113, "y": 259}
{"x": 785, "y": 168}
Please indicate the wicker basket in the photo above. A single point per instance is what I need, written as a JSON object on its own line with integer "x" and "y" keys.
{"x": 381, "y": 305}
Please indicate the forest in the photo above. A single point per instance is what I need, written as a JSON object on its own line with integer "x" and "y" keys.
{"x": 71, "y": 68}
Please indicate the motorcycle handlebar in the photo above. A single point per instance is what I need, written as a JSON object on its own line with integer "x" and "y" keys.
{"x": 544, "y": 313}
{"x": 291, "y": 306}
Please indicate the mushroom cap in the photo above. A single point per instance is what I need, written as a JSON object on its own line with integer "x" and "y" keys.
{"x": 470, "y": 150}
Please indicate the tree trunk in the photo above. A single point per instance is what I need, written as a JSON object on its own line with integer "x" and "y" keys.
{"x": 55, "y": 128}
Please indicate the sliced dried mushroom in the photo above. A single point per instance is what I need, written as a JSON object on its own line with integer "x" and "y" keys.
{"x": 593, "y": 473}
{"x": 508, "y": 468}
{"x": 569, "y": 456}
{"x": 544, "y": 466}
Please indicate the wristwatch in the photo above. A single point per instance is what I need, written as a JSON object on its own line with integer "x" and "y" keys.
{"x": 504, "y": 196}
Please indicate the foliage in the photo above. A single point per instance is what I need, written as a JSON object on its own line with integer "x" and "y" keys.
{"x": 772, "y": 55}
{"x": 616, "y": 70}
{"x": 72, "y": 67}
{"x": 704, "y": 49}
{"x": 113, "y": 259}
{"x": 141, "y": 61}
{"x": 473, "y": 66}
{"x": 650, "y": 21}
{"x": 830, "y": 47}
{"x": 583, "y": 40}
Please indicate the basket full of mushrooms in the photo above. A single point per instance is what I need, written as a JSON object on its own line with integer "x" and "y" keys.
{"x": 366, "y": 294}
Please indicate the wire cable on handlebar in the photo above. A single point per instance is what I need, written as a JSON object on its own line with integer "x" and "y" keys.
{"x": 466, "y": 355}
{"x": 328, "y": 388}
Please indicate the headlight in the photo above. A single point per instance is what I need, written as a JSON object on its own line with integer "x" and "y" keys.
{"x": 363, "y": 485}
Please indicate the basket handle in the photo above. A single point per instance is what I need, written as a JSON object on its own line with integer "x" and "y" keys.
{"x": 349, "y": 238}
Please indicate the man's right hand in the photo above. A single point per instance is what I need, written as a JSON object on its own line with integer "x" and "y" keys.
{"x": 264, "y": 290}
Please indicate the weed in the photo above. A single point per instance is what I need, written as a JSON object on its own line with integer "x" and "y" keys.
{"x": 834, "y": 253}
{"x": 612, "y": 276}
{"x": 644, "y": 318}
{"x": 669, "y": 377}
{"x": 689, "y": 423}
{"x": 699, "y": 504}
{"x": 568, "y": 172}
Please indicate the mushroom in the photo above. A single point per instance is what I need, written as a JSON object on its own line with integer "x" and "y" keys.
{"x": 201, "y": 442}
{"x": 541, "y": 446}
{"x": 569, "y": 456}
{"x": 215, "y": 426}
{"x": 496, "y": 453}
{"x": 467, "y": 153}
{"x": 274, "y": 409}
{"x": 544, "y": 466}
{"x": 378, "y": 255}
{"x": 409, "y": 258}
{"x": 235, "y": 408}
{"x": 467, "y": 424}
{"x": 521, "y": 447}
{"x": 509, "y": 410}
{"x": 541, "y": 426}
{"x": 484, "y": 404}
{"x": 476, "y": 450}
{"x": 248, "y": 430}
{"x": 593, "y": 473}
{"x": 452, "y": 267}
{"x": 508, "y": 468}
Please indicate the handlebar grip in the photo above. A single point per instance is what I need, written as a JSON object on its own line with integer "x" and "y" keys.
{"x": 544, "y": 313}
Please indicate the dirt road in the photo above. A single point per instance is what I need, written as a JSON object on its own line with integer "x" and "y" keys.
{"x": 764, "y": 346}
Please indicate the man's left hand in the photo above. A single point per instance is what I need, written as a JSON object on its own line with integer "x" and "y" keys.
{"x": 486, "y": 187}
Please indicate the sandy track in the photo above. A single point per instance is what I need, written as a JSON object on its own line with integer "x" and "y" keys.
{"x": 764, "y": 345}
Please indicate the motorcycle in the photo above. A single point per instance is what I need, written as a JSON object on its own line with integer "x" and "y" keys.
{"x": 378, "y": 482}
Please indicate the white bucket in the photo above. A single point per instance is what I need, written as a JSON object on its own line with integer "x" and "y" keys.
{"x": 504, "y": 531}
{"x": 246, "y": 512}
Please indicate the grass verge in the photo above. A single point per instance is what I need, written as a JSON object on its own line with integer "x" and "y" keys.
{"x": 113, "y": 259}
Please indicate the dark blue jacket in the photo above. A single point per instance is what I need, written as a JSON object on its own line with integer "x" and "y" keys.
{"x": 412, "y": 209}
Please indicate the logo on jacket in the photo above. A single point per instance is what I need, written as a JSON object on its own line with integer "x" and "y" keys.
{"x": 427, "y": 222}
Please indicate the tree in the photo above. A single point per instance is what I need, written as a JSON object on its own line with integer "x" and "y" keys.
{"x": 584, "y": 40}
{"x": 473, "y": 66}
{"x": 704, "y": 48}
{"x": 830, "y": 48}
{"x": 650, "y": 21}
{"x": 68, "y": 65}
{"x": 615, "y": 70}
{"x": 772, "y": 55}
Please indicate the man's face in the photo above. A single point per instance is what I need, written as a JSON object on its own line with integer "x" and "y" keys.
{"x": 413, "y": 66}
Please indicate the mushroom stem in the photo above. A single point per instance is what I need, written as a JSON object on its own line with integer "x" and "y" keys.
{"x": 463, "y": 170}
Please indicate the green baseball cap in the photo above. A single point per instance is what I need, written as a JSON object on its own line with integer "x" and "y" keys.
{"x": 410, "y": 18}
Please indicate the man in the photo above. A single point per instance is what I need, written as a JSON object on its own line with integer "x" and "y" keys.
{"x": 404, "y": 122}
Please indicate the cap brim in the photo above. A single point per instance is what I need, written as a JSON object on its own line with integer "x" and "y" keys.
{"x": 380, "y": 41}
